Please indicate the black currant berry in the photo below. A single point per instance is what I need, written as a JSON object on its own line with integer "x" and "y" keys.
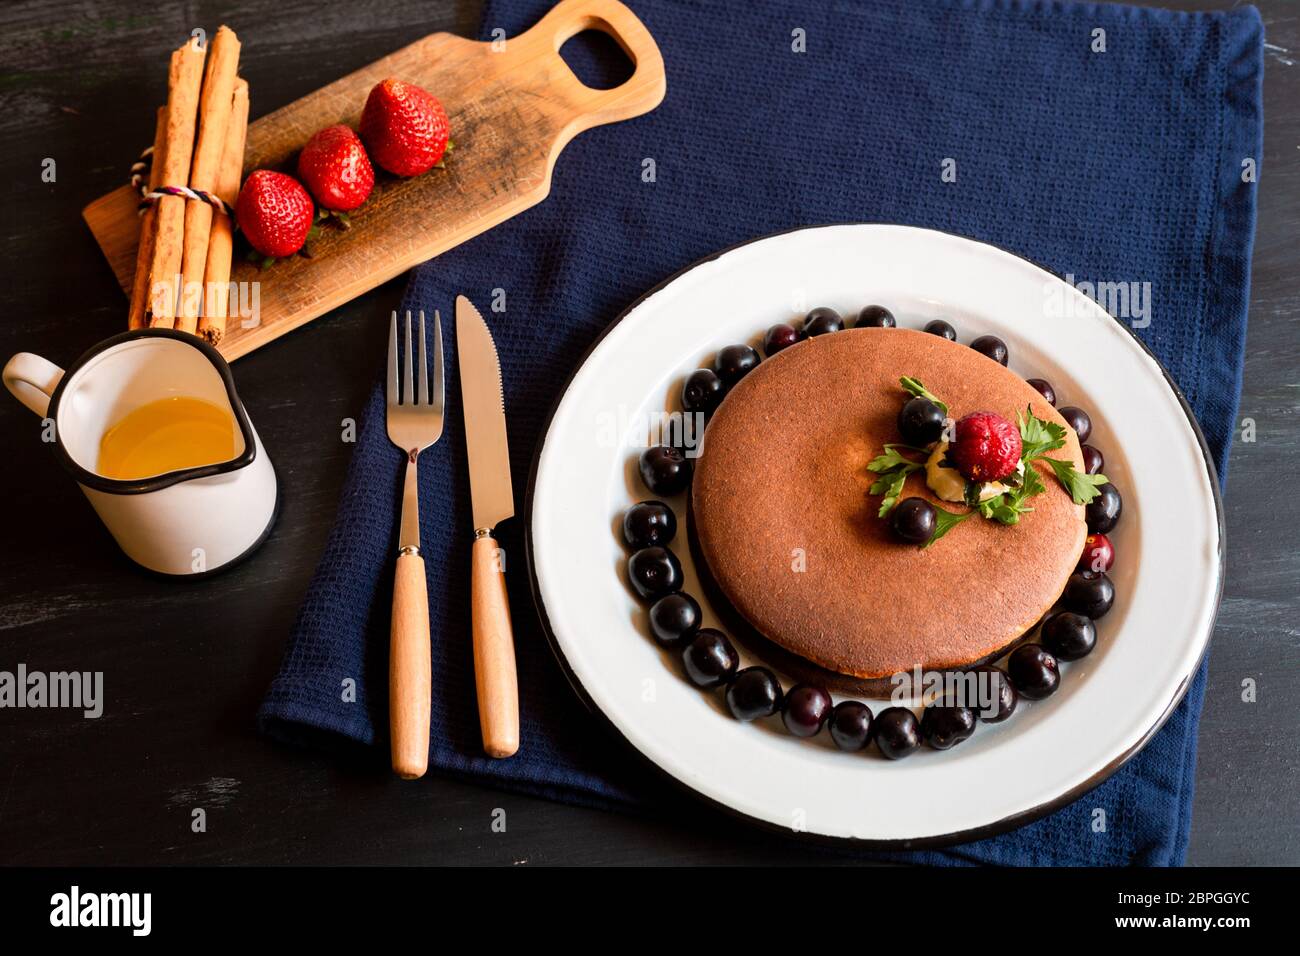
{"x": 709, "y": 659}
{"x": 665, "y": 470}
{"x": 942, "y": 329}
{"x": 896, "y": 732}
{"x": 654, "y": 572}
{"x": 992, "y": 346}
{"x": 674, "y": 619}
{"x": 821, "y": 321}
{"x": 1034, "y": 671}
{"x": 875, "y": 317}
{"x": 647, "y": 523}
{"x": 754, "y": 693}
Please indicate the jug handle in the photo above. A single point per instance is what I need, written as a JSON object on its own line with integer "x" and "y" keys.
{"x": 32, "y": 380}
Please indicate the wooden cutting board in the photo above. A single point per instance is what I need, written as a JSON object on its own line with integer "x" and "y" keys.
{"x": 512, "y": 107}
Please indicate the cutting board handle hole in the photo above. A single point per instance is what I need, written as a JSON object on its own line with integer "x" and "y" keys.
{"x": 597, "y": 60}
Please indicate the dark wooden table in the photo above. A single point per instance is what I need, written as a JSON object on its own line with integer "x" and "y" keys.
{"x": 186, "y": 664}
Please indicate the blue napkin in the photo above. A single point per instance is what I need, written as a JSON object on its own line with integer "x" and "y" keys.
{"x": 1105, "y": 142}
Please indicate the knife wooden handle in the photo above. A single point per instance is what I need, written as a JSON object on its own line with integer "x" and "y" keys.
{"x": 494, "y": 651}
{"x": 408, "y": 669}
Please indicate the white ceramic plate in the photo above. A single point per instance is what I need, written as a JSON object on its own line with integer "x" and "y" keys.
{"x": 1168, "y": 543}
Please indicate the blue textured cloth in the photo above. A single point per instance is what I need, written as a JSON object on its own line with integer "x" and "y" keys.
{"x": 1123, "y": 165}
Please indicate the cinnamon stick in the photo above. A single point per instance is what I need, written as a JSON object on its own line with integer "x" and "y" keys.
{"x": 216, "y": 277}
{"x": 148, "y": 225}
{"x": 214, "y": 117}
{"x": 183, "y": 81}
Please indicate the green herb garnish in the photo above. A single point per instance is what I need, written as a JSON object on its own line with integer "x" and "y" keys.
{"x": 1009, "y": 506}
{"x": 1039, "y": 437}
{"x": 945, "y": 521}
{"x": 1081, "y": 487}
{"x": 893, "y": 470}
{"x": 914, "y": 387}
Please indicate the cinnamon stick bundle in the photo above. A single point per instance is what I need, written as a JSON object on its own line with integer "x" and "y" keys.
{"x": 215, "y": 103}
{"x": 144, "y": 254}
{"x": 184, "y": 78}
{"x": 216, "y": 278}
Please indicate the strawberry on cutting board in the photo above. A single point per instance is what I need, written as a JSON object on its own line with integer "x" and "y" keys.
{"x": 274, "y": 212}
{"x": 335, "y": 169}
{"x": 404, "y": 128}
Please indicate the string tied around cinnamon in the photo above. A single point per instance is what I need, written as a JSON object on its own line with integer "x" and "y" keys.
{"x": 198, "y": 195}
{"x": 140, "y": 183}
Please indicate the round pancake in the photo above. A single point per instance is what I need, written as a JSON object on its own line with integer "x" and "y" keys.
{"x": 787, "y": 534}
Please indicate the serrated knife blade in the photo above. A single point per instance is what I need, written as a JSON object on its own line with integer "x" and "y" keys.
{"x": 492, "y": 500}
{"x": 491, "y": 494}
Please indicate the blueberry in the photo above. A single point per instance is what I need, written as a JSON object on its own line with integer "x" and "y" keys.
{"x": 920, "y": 421}
{"x": 1077, "y": 419}
{"x": 674, "y": 619}
{"x": 896, "y": 732}
{"x": 1088, "y": 593}
{"x": 754, "y": 693}
{"x": 702, "y": 391}
{"x": 1102, "y": 513}
{"x": 913, "y": 520}
{"x": 665, "y": 470}
{"x": 942, "y": 329}
{"x": 1033, "y": 671}
{"x": 850, "y": 725}
{"x": 709, "y": 659}
{"x": 944, "y": 724}
{"x": 805, "y": 710}
{"x": 992, "y": 346}
{"x": 1069, "y": 636}
{"x": 1044, "y": 388}
{"x": 1093, "y": 460}
{"x": 735, "y": 362}
{"x": 995, "y": 690}
{"x": 778, "y": 337}
{"x": 647, "y": 523}
{"x": 820, "y": 321}
{"x": 654, "y": 572}
{"x": 875, "y": 317}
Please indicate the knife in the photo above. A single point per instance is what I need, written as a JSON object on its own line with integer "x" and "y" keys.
{"x": 493, "y": 501}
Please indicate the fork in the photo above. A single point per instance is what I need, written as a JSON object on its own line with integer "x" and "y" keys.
{"x": 414, "y": 423}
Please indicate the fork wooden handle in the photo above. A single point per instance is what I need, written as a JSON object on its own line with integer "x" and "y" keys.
{"x": 494, "y": 650}
{"x": 408, "y": 669}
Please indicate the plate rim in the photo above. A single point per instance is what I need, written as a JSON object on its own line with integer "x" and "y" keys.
{"x": 997, "y": 827}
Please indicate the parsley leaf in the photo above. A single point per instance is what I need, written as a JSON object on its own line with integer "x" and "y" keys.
{"x": 891, "y": 486}
{"x": 914, "y": 387}
{"x": 945, "y": 521}
{"x": 893, "y": 469}
{"x": 892, "y": 459}
{"x": 1007, "y": 508}
{"x": 1037, "y": 437}
{"x": 1082, "y": 487}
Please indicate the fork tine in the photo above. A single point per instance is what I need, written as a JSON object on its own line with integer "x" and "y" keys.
{"x": 424, "y": 366}
{"x": 392, "y": 360}
{"x": 437, "y": 362}
{"x": 408, "y": 386}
